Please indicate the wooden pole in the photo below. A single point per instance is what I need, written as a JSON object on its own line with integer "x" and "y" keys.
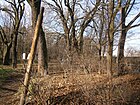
{"x": 31, "y": 58}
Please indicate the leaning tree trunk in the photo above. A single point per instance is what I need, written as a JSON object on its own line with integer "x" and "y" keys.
{"x": 31, "y": 58}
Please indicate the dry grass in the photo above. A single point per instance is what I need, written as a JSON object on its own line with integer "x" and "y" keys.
{"x": 78, "y": 89}
{"x": 81, "y": 81}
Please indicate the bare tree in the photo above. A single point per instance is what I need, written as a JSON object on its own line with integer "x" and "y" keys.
{"x": 125, "y": 10}
{"x": 16, "y": 12}
{"x": 99, "y": 32}
{"x": 112, "y": 12}
{"x": 7, "y": 43}
{"x": 74, "y": 24}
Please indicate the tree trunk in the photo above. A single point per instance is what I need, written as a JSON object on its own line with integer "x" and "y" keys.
{"x": 120, "y": 55}
{"x": 31, "y": 58}
{"x": 81, "y": 41}
{"x": 109, "y": 59}
{"x": 6, "y": 58}
{"x": 14, "y": 59}
{"x": 42, "y": 53}
{"x": 18, "y": 9}
{"x": 100, "y": 53}
{"x": 110, "y": 38}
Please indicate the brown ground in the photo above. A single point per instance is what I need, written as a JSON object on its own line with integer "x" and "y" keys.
{"x": 75, "y": 89}
{"x": 9, "y": 86}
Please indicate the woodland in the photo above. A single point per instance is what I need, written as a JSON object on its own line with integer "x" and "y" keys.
{"x": 69, "y": 52}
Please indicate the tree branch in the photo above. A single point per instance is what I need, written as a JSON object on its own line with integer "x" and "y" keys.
{"x": 133, "y": 20}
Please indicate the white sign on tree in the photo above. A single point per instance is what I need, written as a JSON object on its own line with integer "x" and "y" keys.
{"x": 24, "y": 56}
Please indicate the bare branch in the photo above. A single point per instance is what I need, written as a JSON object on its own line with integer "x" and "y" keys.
{"x": 127, "y": 7}
{"x": 133, "y": 20}
{"x": 10, "y": 12}
{"x": 133, "y": 26}
{"x": 3, "y": 35}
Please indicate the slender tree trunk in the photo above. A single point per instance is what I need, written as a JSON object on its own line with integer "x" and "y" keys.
{"x": 100, "y": 53}
{"x": 100, "y": 42}
{"x": 110, "y": 38}
{"x": 14, "y": 59}
{"x": 120, "y": 55}
{"x": 18, "y": 12}
{"x": 74, "y": 40}
{"x": 68, "y": 45}
{"x": 81, "y": 41}
{"x": 104, "y": 46}
{"x": 67, "y": 39}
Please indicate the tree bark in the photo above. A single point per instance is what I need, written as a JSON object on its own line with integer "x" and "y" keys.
{"x": 7, "y": 48}
{"x": 110, "y": 38}
{"x": 42, "y": 47}
{"x": 6, "y": 57}
{"x": 43, "y": 54}
{"x": 109, "y": 59}
{"x": 14, "y": 59}
{"x": 120, "y": 55}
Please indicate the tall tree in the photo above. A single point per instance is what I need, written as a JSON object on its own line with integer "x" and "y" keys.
{"x": 112, "y": 12}
{"x": 19, "y": 10}
{"x": 87, "y": 19}
{"x": 16, "y": 12}
{"x": 125, "y": 10}
{"x": 7, "y": 43}
{"x": 42, "y": 48}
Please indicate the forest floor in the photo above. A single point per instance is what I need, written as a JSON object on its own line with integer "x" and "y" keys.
{"x": 10, "y": 81}
{"x": 71, "y": 89}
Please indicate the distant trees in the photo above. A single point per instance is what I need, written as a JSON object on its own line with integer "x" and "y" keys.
{"x": 74, "y": 23}
{"x": 101, "y": 17}
{"x": 15, "y": 12}
{"x": 6, "y": 40}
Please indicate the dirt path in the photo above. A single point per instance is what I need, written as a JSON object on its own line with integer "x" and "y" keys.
{"x": 9, "y": 86}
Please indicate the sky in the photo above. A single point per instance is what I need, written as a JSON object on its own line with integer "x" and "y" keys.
{"x": 133, "y": 35}
{"x": 133, "y": 39}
